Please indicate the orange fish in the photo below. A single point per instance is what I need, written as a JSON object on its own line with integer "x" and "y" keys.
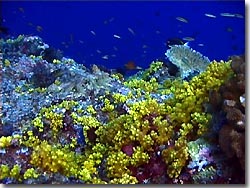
{"x": 131, "y": 66}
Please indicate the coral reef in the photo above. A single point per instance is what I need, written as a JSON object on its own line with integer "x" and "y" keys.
{"x": 69, "y": 124}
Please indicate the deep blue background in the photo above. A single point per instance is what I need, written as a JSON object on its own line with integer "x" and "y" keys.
{"x": 68, "y": 25}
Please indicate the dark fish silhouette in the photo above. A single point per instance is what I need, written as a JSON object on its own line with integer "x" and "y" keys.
{"x": 174, "y": 41}
{"x": 4, "y": 30}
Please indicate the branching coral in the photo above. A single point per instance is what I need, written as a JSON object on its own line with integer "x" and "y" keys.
{"x": 54, "y": 159}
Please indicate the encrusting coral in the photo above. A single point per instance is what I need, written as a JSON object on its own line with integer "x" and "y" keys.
{"x": 230, "y": 100}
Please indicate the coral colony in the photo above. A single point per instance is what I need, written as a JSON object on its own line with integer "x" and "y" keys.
{"x": 64, "y": 123}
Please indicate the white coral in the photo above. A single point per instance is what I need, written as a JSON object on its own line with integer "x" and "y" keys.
{"x": 187, "y": 59}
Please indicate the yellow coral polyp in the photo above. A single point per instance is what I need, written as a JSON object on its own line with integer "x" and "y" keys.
{"x": 54, "y": 159}
{"x": 73, "y": 143}
{"x": 15, "y": 171}
{"x": 147, "y": 142}
{"x": 56, "y": 61}
{"x": 87, "y": 122}
{"x": 90, "y": 165}
{"x": 119, "y": 98}
{"x": 125, "y": 179}
{"x": 96, "y": 180}
{"x": 85, "y": 175}
{"x": 4, "y": 171}
{"x": 90, "y": 109}
{"x": 117, "y": 163}
{"x": 139, "y": 157}
{"x": 30, "y": 140}
{"x": 145, "y": 107}
{"x": 5, "y": 141}
{"x": 37, "y": 122}
{"x": 154, "y": 66}
{"x": 30, "y": 173}
{"x": 56, "y": 121}
{"x": 108, "y": 107}
{"x": 66, "y": 104}
{"x": 7, "y": 63}
{"x": 57, "y": 82}
{"x": 148, "y": 86}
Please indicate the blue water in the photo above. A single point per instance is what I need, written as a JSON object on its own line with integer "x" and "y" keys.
{"x": 85, "y": 30}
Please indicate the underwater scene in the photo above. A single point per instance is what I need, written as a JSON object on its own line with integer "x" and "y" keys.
{"x": 122, "y": 92}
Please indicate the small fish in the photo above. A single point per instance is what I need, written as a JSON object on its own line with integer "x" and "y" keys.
{"x": 182, "y": 19}
{"x": 131, "y": 31}
{"x": 116, "y": 36}
{"x": 98, "y": 51}
{"x": 71, "y": 38}
{"x": 4, "y": 30}
{"x": 157, "y": 13}
{"x": 157, "y": 32}
{"x": 111, "y": 19}
{"x": 106, "y": 57}
{"x": 65, "y": 45}
{"x": 235, "y": 47}
{"x": 210, "y": 15}
{"x": 115, "y": 48}
{"x": 81, "y": 41}
{"x": 229, "y": 29}
{"x": 21, "y": 9}
{"x": 30, "y": 24}
{"x": 174, "y": 41}
{"x": 39, "y": 28}
{"x": 227, "y": 14}
{"x": 108, "y": 21}
{"x": 188, "y": 39}
{"x": 92, "y": 32}
{"x": 200, "y": 44}
{"x": 144, "y": 46}
{"x": 239, "y": 16}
